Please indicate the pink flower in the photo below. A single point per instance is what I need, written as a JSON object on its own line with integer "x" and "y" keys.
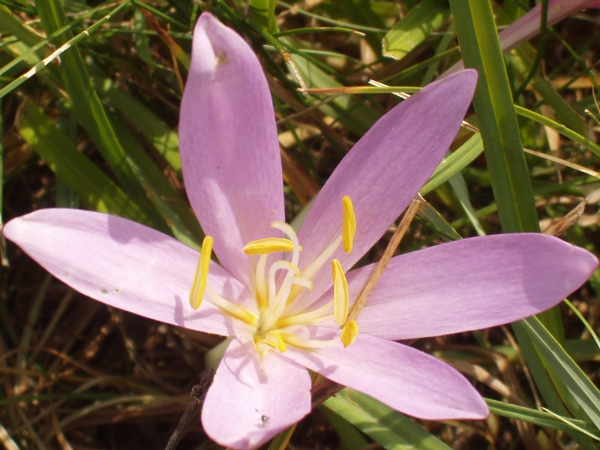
{"x": 528, "y": 26}
{"x": 284, "y": 305}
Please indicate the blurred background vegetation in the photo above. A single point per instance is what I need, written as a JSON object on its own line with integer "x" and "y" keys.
{"x": 89, "y": 95}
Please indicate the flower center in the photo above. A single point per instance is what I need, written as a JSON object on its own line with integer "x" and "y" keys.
{"x": 277, "y": 283}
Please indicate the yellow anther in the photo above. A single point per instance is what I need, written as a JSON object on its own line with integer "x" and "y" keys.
{"x": 273, "y": 339}
{"x": 199, "y": 284}
{"x": 348, "y": 225}
{"x": 341, "y": 297}
{"x": 269, "y": 245}
{"x": 349, "y": 333}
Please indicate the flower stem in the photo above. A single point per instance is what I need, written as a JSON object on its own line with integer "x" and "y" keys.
{"x": 385, "y": 259}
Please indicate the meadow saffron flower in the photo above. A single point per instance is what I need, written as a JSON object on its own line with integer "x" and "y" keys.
{"x": 284, "y": 296}
{"x": 528, "y": 25}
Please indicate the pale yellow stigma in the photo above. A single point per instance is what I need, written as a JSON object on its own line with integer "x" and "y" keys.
{"x": 199, "y": 284}
{"x": 269, "y": 245}
{"x": 341, "y": 296}
{"x": 348, "y": 225}
{"x": 349, "y": 333}
{"x": 274, "y": 339}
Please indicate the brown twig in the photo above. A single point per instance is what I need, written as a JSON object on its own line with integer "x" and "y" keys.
{"x": 385, "y": 259}
{"x": 194, "y": 406}
{"x": 323, "y": 391}
{"x": 561, "y": 227}
{"x": 327, "y": 388}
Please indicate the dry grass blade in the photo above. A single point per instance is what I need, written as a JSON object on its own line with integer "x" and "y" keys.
{"x": 391, "y": 248}
{"x": 194, "y": 406}
{"x": 564, "y": 162}
{"x": 561, "y": 227}
{"x": 296, "y": 176}
{"x": 6, "y": 440}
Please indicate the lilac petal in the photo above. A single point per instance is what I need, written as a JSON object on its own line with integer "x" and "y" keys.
{"x": 252, "y": 398}
{"x": 528, "y": 26}
{"x": 385, "y": 170}
{"x": 229, "y": 147}
{"x": 126, "y": 265}
{"x": 402, "y": 377}
{"x": 470, "y": 284}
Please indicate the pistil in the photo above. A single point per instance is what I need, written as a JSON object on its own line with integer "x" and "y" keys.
{"x": 277, "y": 284}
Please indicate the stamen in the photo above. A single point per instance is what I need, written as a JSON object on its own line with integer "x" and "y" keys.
{"x": 346, "y": 238}
{"x": 277, "y": 307}
{"x": 317, "y": 263}
{"x": 298, "y": 281}
{"x": 297, "y": 341}
{"x": 291, "y": 234}
{"x": 341, "y": 296}
{"x": 311, "y": 269}
{"x": 268, "y": 245}
{"x": 261, "y": 283}
{"x": 305, "y": 318}
{"x": 276, "y": 266}
{"x": 231, "y": 308}
{"x": 199, "y": 284}
{"x": 260, "y": 344}
{"x": 349, "y": 224}
{"x": 349, "y": 333}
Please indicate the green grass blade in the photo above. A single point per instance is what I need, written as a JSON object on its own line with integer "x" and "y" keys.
{"x": 436, "y": 222}
{"x": 90, "y": 112}
{"x": 350, "y": 437}
{"x": 454, "y": 163}
{"x": 562, "y": 129}
{"x": 60, "y": 34}
{"x": 495, "y": 111}
{"x": 543, "y": 419}
{"x": 543, "y": 381}
{"x": 94, "y": 188}
{"x": 262, "y": 14}
{"x": 441, "y": 49}
{"x": 280, "y": 442}
{"x": 460, "y": 189}
{"x": 584, "y": 395}
{"x": 363, "y": 12}
{"x": 521, "y": 62}
{"x": 164, "y": 139}
{"x": 66, "y": 123}
{"x": 10, "y": 24}
{"x": 416, "y": 26}
{"x": 142, "y": 41}
{"x": 325, "y": 19}
{"x": 564, "y": 112}
{"x": 172, "y": 207}
{"x": 512, "y": 189}
{"x": 346, "y": 108}
{"x": 391, "y": 429}
{"x": 586, "y": 324}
